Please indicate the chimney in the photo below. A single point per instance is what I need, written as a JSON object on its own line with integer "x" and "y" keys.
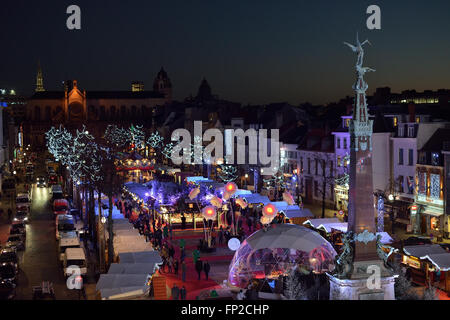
{"x": 412, "y": 112}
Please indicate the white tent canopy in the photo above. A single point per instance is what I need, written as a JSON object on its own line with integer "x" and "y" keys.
{"x": 122, "y": 285}
{"x": 132, "y": 268}
{"x": 140, "y": 257}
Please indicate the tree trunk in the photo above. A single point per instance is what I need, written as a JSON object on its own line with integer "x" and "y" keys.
{"x": 100, "y": 235}
{"x": 110, "y": 231}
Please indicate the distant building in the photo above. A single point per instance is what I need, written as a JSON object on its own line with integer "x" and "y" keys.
{"x": 446, "y": 155}
{"x": 431, "y": 217}
{"x": 96, "y": 109}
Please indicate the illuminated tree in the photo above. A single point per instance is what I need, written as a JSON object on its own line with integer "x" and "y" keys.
{"x": 227, "y": 172}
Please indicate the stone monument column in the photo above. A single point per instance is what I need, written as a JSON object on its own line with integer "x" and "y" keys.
{"x": 362, "y": 259}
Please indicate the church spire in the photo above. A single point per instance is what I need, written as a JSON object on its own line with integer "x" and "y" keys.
{"x": 39, "y": 79}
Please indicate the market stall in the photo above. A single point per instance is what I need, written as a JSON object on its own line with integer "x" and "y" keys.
{"x": 122, "y": 286}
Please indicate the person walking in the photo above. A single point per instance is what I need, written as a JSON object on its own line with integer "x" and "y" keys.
{"x": 175, "y": 292}
{"x": 166, "y": 232}
{"x": 183, "y": 293}
{"x": 170, "y": 264}
{"x": 171, "y": 231}
{"x": 175, "y": 267}
{"x": 183, "y": 271}
{"x": 195, "y": 255}
{"x": 182, "y": 255}
{"x": 221, "y": 235}
{"x": 206, "y": 268}
{"x": 199, "y": 267}
{"x": 183, "y": 222}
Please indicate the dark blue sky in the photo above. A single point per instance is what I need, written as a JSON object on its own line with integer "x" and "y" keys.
{"x": 250, "y": 51}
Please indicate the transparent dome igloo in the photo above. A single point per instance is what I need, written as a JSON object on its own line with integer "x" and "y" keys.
{"x": 275, "y": 252}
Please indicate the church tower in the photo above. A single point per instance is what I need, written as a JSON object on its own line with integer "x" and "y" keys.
{"x": 39, "y": 79}
{"x": 162, "y": 84}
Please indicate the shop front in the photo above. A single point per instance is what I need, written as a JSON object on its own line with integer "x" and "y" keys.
{"x": 431, "y": 212}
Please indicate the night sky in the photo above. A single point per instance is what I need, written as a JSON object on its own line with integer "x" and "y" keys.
{"x": 249, "y": 51}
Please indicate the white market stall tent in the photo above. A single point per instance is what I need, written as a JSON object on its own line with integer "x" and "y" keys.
{"x": 140, "y": 257}
{"x": 133, "y": 268}
{"x": 122, "y": 286}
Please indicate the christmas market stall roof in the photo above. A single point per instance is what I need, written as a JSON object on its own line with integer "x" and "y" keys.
{"x": 423, "y": 250}
{"x": 133, "y": 268}
{"x": 316, "y": 223}
{"x": 298, "y": 213}
{"x": 120, "y": 286}
{"x": 440, "y": 260}
{"x": 255, "y": 198}
{"x": 140, "y": 257}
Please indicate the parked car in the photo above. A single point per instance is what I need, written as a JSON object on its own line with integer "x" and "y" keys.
{"x": 60, "y": 206}
{"x": 74, "y": 257}
{"x": 16, "y": 241}
{"x": 18, "y": 228}
{"x": 7, "y": 290}
{"x": 22, "y": 215}
{"x": 41, "y": 182}
{"x": 64, "y": 223}
{"x": 52, "y": 179}
{"x": 8, "y": 272}
{"x": 9, "y": 255}
{"x": 23, "y": 200}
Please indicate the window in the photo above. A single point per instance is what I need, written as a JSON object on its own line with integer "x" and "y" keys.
{"x": 309, "y": 166}
{"x": 338, "y": 143}
{"x": 331, "y": 168}
{"x": 422, "y": 183}
{"x": 434, "y": 159}
{"x": 435, "y": 186}
{"x": 347, "y": 123}
{"x": 410, "y": 132}
{"x": 400, "y": 156}
{"x": 395, "y": 121}
{"x": 301, "y": 164}
{"x": 316, "y": 166}
{"x": 345, "y": 143}
{"x": 410, "y": 181}
{"x": 400, "y": 184}
{"x": 410, "y": 157}
{"x": 339, "y": 161}
{"x": 417, "y": 119}
{"x": 401, "y": 131}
